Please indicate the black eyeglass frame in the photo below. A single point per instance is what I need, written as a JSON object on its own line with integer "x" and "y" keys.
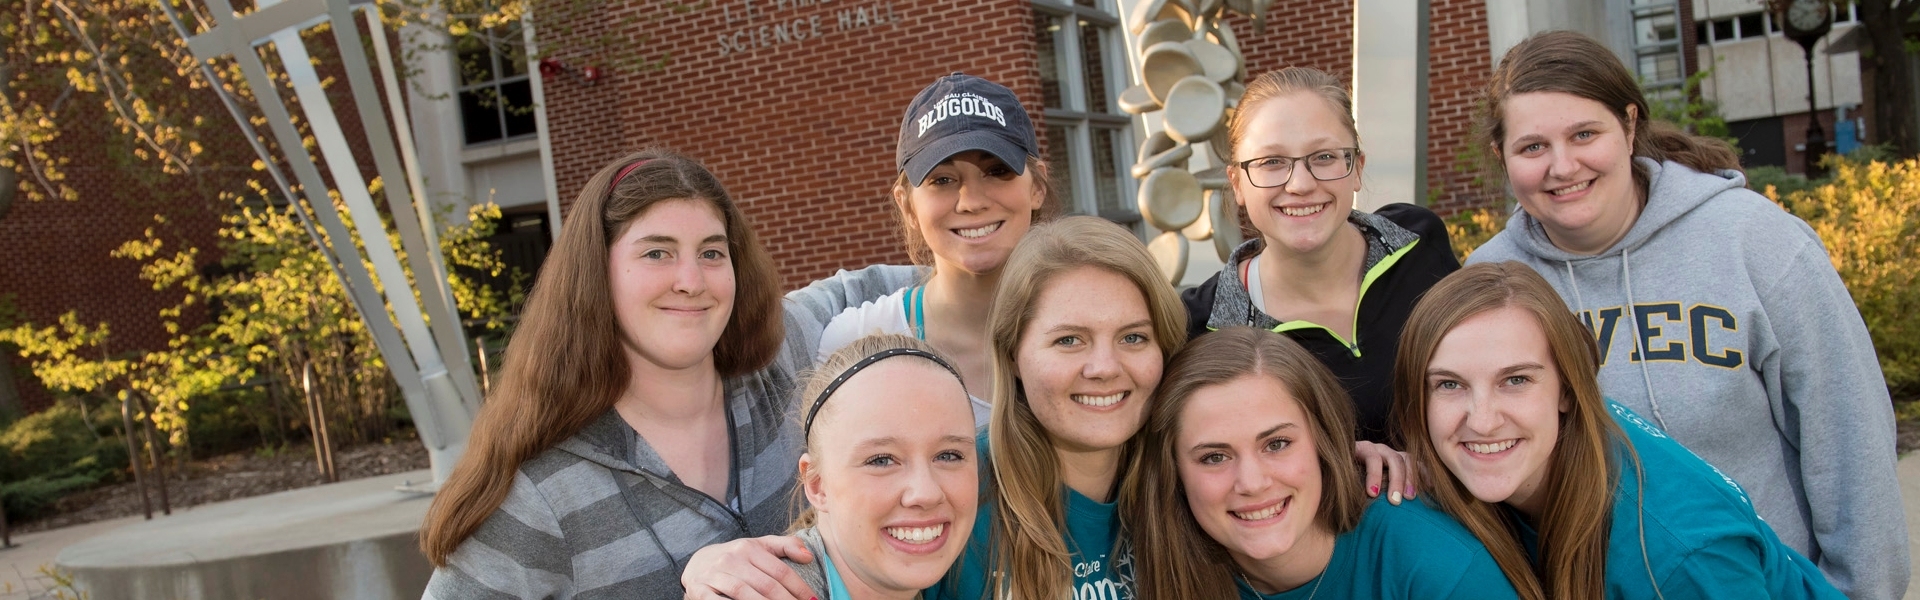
{"x": 1351, "y": 155}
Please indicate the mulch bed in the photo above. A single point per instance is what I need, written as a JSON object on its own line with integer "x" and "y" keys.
{"x": 230, "y": 477}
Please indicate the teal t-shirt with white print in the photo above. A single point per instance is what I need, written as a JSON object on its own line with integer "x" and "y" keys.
{"x": 1100, "y": 571}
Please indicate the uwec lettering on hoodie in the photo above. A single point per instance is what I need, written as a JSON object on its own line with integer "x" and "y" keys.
{"x": 958, "y": 105}
{"x": 1650, "y": 323}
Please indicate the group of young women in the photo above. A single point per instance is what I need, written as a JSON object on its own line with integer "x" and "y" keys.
{"x": 1024, "y": 416}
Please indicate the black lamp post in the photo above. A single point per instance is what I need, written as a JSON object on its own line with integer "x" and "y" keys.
{"x": 1806, "y": 21}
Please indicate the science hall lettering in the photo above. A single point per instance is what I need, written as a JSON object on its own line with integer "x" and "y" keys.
{"x": 759, "y": 32}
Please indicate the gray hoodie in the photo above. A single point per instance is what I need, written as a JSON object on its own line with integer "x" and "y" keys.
{"x": 600, "y": 515}
{"x": 1756, "y": 359}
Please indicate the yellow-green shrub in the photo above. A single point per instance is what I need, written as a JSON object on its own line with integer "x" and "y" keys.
{"x": 1468, "y": 229}
{"x": 1869, "y": 217}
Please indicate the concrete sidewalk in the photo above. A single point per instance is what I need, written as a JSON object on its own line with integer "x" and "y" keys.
{"x": 20, "y": 577}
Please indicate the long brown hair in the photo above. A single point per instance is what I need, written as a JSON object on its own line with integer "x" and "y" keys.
{"x": 1572, "y": 63}
{"x": 1177, "y": 559}
{"x": 1582, "y": 475}
{"x": 565, "y": 365}
{"x": 1028, "y": 548}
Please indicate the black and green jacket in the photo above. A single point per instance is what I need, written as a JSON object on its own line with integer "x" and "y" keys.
{"x": 1407, "y": 252}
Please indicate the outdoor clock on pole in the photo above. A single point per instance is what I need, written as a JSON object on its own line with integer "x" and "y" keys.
{"x": 1806, "y": 21}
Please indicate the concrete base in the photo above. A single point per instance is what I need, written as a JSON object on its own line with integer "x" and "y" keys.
{"x": 356, "y": 539}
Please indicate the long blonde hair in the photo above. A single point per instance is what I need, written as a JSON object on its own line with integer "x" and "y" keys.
{"x": 564, "y": 367}
{"x": 1182, "y": 561}
{"x": 1028, "y": 548}
{"x": 1582, "y": 475}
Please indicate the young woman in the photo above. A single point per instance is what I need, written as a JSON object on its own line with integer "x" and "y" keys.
{"x": 1718, "y": 315}
{"x": 1246, "y": 488}
{"x": 642, "y": 411}
{"x": 890, "y": 471}
{"x": 971, "y": 184}
{"x": 1081, "y": 327}
{"x": 1575, "y": 495}
{"x": 1337, "y": 280}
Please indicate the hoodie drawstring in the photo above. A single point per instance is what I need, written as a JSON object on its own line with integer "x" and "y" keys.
{"x": 1579, "y": 302}
{"x": 1626, "y": 270}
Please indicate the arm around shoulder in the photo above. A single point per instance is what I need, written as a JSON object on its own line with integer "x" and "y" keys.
{"x": 809, "y": 309}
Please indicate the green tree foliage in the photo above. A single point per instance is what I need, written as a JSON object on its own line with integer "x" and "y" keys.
{"x": 1687, "y": 108}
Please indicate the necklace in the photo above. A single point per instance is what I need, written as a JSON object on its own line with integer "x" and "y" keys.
{"x": 1316, "y": 584}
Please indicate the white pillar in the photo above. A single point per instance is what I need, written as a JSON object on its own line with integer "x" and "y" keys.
{"x": 1390, "y": 99}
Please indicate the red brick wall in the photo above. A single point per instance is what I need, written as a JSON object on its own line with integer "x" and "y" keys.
{"x": 802, "y": 133}
{"x": 1458, "y": 63}
{"x": 55, "y": 255}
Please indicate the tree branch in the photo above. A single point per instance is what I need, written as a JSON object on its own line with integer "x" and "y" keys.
{"x": 71, "y": 22}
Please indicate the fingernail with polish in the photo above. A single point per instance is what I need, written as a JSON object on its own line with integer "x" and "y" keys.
{"x": 1373, "y": 491}
{"x": 1394, "y": 497}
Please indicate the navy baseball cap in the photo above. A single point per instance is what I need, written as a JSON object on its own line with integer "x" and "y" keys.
{"x": 959, "y": 113}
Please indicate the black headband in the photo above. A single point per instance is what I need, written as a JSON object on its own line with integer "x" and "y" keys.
{"x": 807, "y": 432}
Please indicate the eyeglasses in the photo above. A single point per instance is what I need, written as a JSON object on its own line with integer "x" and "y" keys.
{"x": 1276, "y": 171}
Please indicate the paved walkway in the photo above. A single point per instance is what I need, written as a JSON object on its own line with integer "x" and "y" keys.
{"x": 20, "y": 577}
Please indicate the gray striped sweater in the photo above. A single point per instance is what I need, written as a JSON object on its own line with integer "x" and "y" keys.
{"x": 601, "y": 516}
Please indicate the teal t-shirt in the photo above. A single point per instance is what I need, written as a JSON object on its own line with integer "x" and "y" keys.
{"x": 1099, "y": 572}
{"x": 836, "y": 587}
{"x": 1410, "y": 551}
{"x": 1702, "y": 537}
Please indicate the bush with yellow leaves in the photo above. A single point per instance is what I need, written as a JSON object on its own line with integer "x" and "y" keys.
{"x": 1868, "y": 215}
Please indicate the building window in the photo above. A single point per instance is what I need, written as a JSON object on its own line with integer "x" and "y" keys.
{"x": 1656, "y": 42}
{"x": 496, "y": 95}
{"x": 1089, "y": 142}
{"x": 1741, "y": 27}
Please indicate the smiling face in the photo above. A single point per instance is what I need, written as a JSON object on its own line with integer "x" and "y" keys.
{"x": 1088, "y": 360}
{"x": 1250, "y": 470}
{"x": 1305, "y": 213}
{"x": 672, "y": 281}
{"x": 1494, "y": 407}
{"x": 972, "y": 210}
{"x": 895, "y": 480}
{"x": 1570, "y": 162}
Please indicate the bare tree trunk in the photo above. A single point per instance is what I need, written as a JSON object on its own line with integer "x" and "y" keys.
{"x": 1893, "y": 103}
{"x": 133, "y": 454}
{"x": 153, "y": 452}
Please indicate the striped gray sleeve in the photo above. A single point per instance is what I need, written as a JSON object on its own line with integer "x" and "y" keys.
{"x": 809, "y": 309}
{"x": 517, "y": 553}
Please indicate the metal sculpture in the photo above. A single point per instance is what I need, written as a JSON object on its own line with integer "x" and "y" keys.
{"x": 419, "y": 339}
{"x": 1191, "y": 73}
